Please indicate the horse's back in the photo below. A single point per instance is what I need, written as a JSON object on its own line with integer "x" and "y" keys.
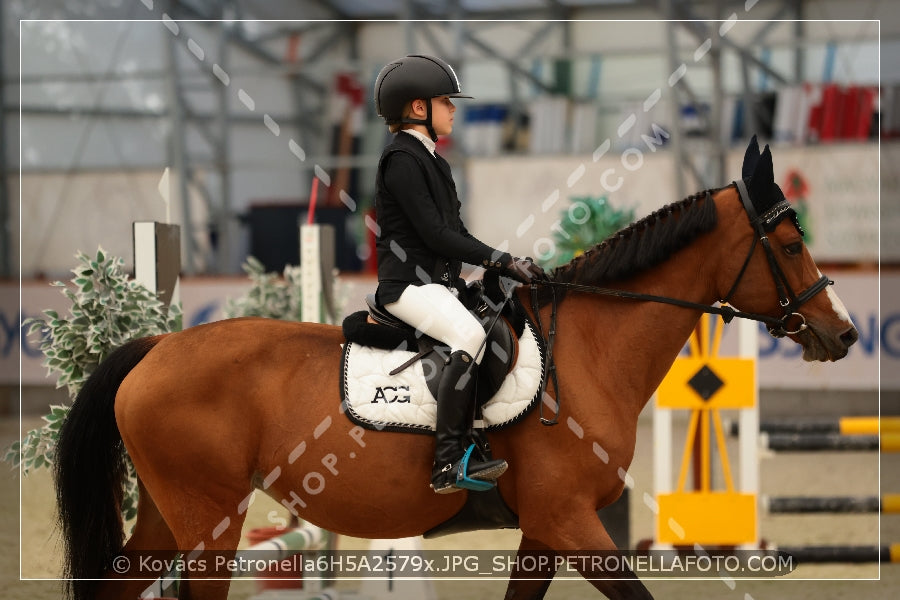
{"x": 220, "y": 386}
{"x": 232, "y": 351}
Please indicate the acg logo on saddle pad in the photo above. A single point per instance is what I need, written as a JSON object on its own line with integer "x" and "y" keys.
{"x": 390, "y": 394}
{"x": 403, "y": 402}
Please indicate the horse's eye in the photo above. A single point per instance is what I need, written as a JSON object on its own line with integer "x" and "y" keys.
{"x": 794, "y": 249}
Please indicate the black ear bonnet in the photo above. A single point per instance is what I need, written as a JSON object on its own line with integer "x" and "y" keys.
{"x": 766, "y": 196}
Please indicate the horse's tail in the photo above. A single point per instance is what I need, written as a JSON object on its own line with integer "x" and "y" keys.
{"x": 90, "y": 472}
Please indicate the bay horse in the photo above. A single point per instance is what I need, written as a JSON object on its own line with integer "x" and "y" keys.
{"x": 213, "y": 412}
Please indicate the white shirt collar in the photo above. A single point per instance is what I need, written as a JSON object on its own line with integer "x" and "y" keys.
{"x": 426, "y": 141}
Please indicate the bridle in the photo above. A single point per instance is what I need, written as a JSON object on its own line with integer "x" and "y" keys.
{"x": 787, "y": 299}
{"x": 776, "y": 326}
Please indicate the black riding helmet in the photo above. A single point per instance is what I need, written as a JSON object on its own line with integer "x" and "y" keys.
{"x": 411, "y": 77}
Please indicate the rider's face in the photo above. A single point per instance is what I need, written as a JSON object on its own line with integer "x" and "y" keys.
{"x": 442, "y": 110}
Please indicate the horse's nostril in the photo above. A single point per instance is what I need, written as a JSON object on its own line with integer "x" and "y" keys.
{"x": 850, "y": 336}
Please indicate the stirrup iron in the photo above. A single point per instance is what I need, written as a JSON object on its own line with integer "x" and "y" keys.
{"x": 462, "y": 475}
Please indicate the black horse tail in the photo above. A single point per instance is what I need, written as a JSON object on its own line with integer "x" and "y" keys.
{"x": 90, "y": 471}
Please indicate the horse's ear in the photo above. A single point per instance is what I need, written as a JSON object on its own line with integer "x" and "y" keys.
{"x": 762, "y": 179}
{"x": 751, "y": 157}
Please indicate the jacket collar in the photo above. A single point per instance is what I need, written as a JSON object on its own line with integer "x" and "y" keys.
{"x": 411, "y": 142}
{"x": 426, "y": 141}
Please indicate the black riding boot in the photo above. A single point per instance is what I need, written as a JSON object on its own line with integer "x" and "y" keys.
{"x": 455, "y": 401}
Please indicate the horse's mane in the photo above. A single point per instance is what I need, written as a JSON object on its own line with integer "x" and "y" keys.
{"x": 643, "y": 244}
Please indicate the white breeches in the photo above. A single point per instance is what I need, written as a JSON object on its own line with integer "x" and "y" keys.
{"x": 435, "y": 311}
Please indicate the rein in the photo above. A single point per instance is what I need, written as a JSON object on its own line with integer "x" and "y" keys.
{"x": 788, "y": 300}
{"x": 726, "y": 312}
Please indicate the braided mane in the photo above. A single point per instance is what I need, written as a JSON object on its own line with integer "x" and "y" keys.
{"x": 643, "y": 244}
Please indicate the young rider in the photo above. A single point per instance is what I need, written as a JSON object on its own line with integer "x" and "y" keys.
{"x": 422, "y": 244}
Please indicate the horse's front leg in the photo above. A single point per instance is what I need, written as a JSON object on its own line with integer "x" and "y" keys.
{"x": 621, "y": 584}
{"x": 579, "y": 536}
{"x": 535, "y": 566}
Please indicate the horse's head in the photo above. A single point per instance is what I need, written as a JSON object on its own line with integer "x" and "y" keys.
{"x": 775, "y": 275}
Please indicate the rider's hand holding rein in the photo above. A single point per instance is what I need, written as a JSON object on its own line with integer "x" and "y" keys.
{"x": 523, "y": 270}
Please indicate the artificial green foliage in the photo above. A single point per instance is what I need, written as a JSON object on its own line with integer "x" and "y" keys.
{"x": 108, "y": 309}
{"x": 277, "y": 296}
{"x": 585, "y": 223}
{"x": 270, "y": 295}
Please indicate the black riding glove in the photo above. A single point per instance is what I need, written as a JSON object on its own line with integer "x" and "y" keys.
{"x": 523, "y": 270}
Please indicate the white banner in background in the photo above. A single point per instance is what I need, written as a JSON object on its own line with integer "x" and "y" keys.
{"x": 780, "y": 366}
{"x": 834, "y": 188}
{"x": 521, "y": 199}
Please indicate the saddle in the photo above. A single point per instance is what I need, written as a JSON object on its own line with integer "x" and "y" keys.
{"x": 389, "y": 363}
{"x": 499, "y": 354}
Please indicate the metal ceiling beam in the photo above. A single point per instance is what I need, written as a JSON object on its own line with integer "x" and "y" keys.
{"x": 767, "y": 27}
{"x": 224, "y": 221}
{"x": 428, "y": 33}
{"x": 800, "y": 33}
{"x": 510, "y": 64}
{"x": 668, "y": 9}
{"x": 336, "y": 12}
{"x": 139, "y": 113}
{"x": 536, "y": 38}
{"x": 430, "y": 10}
{"x": 717, "y": 156}
{"x": 700, "y": 30}
{"x": 282, "y": 32}
{"x": 338, "y": 32}
{"x": 83, "y": 138}
{"x": 247, "y": 44}
{"x": 177, "y": 151}
{"x": 308, "y": 98}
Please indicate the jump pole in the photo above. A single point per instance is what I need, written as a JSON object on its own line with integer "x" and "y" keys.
{"x": 888, "y": 504}
{"x": 841, "y": 426}
{"x": 888, "y": 553}
{"x": 308, "y": 538}
{"x": 819, "y": 442}
{"x": 397, "y": 589}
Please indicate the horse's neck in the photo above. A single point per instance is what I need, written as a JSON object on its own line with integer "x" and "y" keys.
{"x": 628, "y": 346}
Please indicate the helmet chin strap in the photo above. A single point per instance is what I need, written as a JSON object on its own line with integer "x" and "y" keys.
{"x": 426, "y": 121}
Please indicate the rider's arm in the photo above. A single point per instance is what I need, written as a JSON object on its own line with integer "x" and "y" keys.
{"x": 406, "y": 183}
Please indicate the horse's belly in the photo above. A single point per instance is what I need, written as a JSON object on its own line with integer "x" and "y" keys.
{"x": 367, "y": 498}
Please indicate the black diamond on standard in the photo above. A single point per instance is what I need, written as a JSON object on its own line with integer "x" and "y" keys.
{"x": 705, "y": 383}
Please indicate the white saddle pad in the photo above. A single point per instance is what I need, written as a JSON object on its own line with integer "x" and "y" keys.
{"x": 403, "y": 402}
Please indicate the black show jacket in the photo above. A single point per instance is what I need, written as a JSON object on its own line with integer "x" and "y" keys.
{"x": 420, "y": 237}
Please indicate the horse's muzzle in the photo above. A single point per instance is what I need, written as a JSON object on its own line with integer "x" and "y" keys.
{"x": 820, "y": 347}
